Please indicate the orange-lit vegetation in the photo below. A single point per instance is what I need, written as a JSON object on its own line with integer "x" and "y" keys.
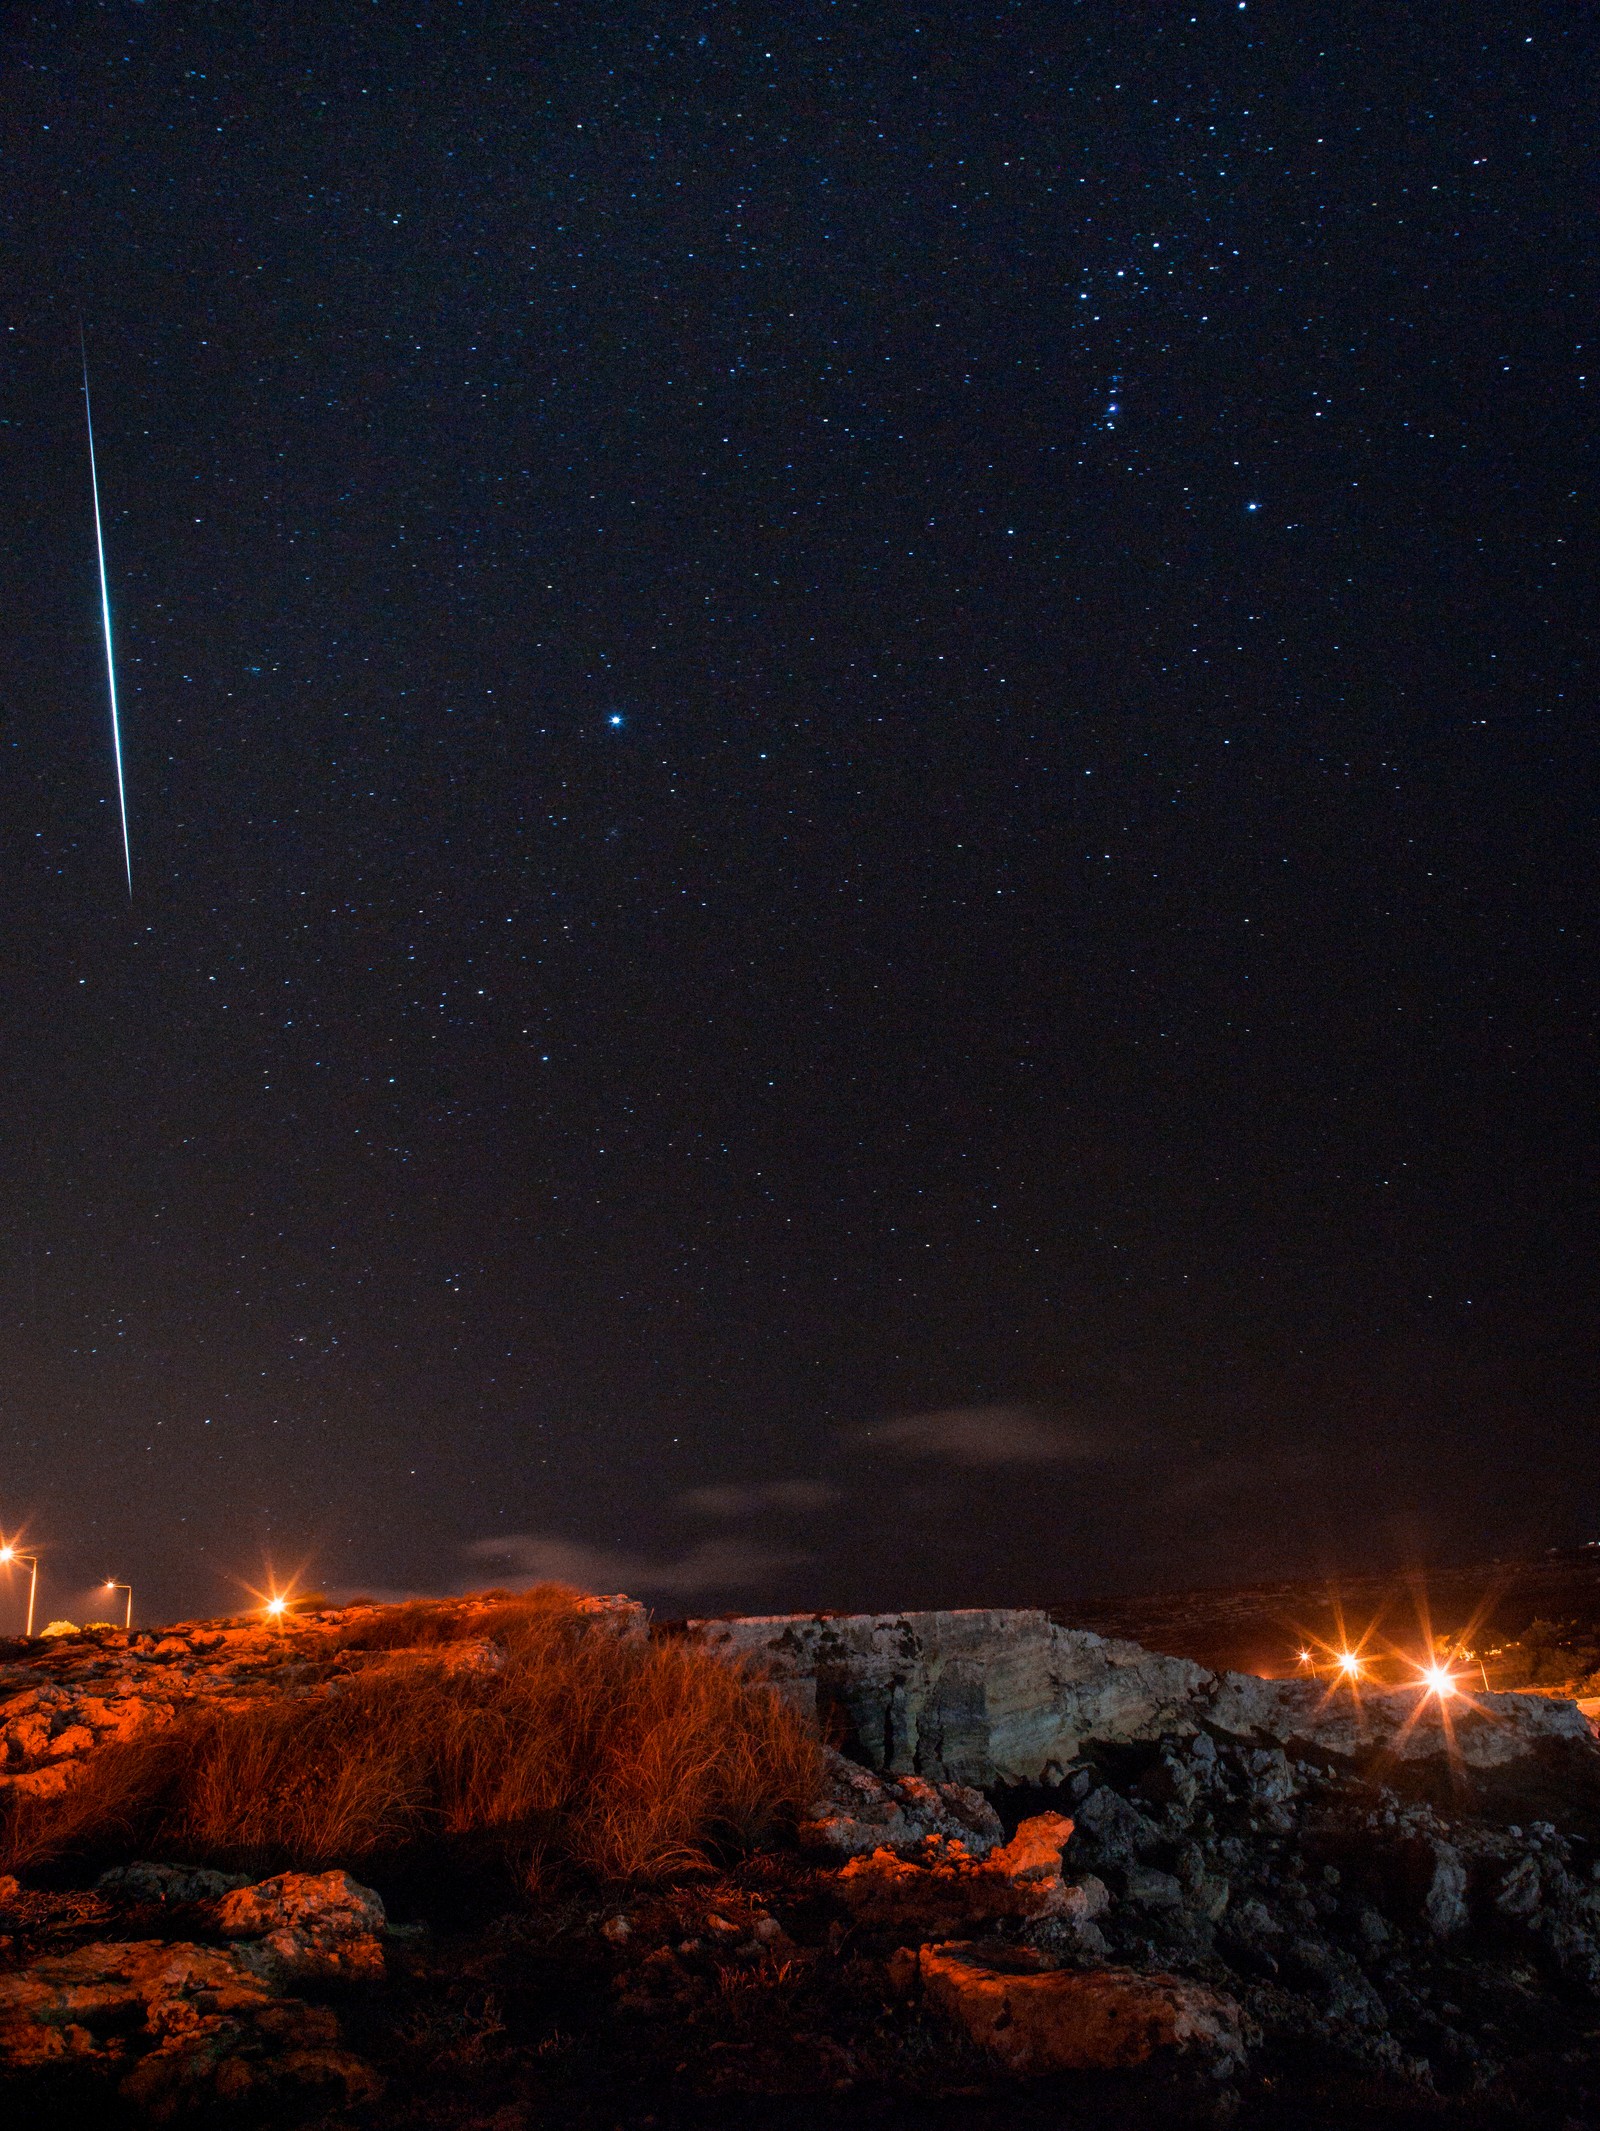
{"x": 623, "y": 1758}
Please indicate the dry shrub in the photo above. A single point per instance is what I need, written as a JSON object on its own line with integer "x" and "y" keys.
{"x": 623, "y": 1757}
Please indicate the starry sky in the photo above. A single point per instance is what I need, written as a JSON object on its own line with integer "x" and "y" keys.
{"x": 861, "y": 765}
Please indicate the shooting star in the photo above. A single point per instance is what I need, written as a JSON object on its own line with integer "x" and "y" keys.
{"x": 105, "y": 616}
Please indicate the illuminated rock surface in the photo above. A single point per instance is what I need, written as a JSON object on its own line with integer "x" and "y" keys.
{"x": 184, "y": 2026}
{"x": 1035, "y": 2018}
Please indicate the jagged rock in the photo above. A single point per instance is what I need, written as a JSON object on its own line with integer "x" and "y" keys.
{"x": 862, "y": 1812}
{"x": 1032, "y": 1858}
{"x": 1117, "y": 1830}
{"x": 943, "y": 1889}
{"x": 1035, "y": 2019}
{"x": 188, "y": 2026}
{"x": 143, "y": 1882}
{"x": 1171, "y": 1782}
{"x": 324, "y": 1925}
{"x": 1442, "y": 1877}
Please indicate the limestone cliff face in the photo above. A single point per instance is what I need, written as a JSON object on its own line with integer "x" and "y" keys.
{"x": 992, "y": 1695}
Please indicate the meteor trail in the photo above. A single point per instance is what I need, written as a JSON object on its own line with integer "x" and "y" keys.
{"x": 105, "y": 616}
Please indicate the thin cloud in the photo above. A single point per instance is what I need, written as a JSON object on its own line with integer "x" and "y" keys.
{"x": 986, "y": 1435}
{"x": 749, "y": 1501}
{"x": 714, "y": 1565}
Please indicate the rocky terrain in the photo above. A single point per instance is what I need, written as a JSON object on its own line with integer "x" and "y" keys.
{"x": 1051, "y": 1878}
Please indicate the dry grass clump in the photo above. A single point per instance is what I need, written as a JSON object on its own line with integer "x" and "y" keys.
{"x": 624, "y": 1758}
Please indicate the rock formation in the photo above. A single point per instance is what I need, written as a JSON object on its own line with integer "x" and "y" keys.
{"x": 989, "y": 1696}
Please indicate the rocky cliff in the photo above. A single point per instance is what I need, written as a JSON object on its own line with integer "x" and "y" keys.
{"x": 988, "y": 1696}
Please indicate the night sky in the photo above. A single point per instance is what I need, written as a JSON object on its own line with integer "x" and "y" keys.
{"x": 862, "y": 771}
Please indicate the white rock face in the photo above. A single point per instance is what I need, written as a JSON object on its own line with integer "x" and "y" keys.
{"x": 992, "y": 1695}
{"x": 982, "y": 1695}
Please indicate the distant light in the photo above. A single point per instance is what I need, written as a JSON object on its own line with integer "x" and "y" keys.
{"x": 1305, "y": 1657}
{"x": 1439, "y": 1681}
{"x": 277, "y": 1607}
{"x": 8, "y": 1553}
{"x": 615, "y": 718}
{"x": 1252, "y": 506}
{"x": 1349, "y": 1664}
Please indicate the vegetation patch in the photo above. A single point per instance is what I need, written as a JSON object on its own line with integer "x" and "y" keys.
{"x": 570, "y": 1745}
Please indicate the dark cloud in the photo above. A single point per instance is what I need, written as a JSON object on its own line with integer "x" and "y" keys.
{"x": 987, "y": 1435}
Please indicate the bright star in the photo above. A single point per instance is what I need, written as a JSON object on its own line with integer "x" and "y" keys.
{"x": 1252, "y": 506}
{"x": 616, "y": 716}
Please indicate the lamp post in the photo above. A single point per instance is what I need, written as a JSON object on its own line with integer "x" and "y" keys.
{"x": 8, "y": 1554}
{"x": 127, "y": 1618}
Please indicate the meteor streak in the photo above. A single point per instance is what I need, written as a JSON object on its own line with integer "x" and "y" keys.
{"x": 105, "y": 616}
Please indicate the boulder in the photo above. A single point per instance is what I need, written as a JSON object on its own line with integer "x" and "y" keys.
{"x": 324, "y": 1926}
{"x": 1035, "y": 2019}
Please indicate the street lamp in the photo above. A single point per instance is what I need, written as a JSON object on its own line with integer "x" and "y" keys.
{"x": 127, "y": 1618}
{"x": 9, "y": 1554}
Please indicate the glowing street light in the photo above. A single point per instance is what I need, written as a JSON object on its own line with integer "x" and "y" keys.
{"x": 1439, "y": 1680}
{"x": 9, "y": 1554}
{"x": 127, "y": 1618}
{"x": 276, "y": 1608}
{"x": 1350, "y": 1664}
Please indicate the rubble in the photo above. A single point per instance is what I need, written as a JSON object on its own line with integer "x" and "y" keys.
{"x": 862, "y": 1811}
{"x": 942, "y": 1890}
